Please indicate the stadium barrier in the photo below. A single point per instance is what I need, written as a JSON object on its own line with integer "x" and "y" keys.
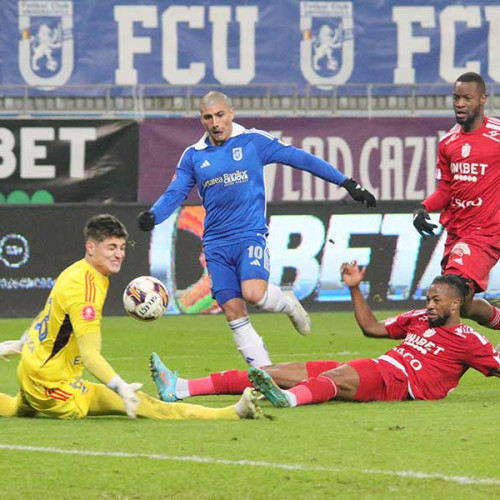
{"x": 271, "y": 99}
{"x": 307, "y": 243}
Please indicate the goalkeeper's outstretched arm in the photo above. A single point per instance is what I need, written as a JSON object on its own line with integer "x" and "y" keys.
{"x": 94, "y": 362}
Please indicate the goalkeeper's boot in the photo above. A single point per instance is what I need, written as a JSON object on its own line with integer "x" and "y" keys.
{"x": 264, "y": 383}
{"x": 299, "y": 317}
{"x": 164, "y": 379}
{"x": 245, "y": 407}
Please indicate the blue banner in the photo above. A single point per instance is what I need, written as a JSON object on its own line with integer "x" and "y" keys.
{"x": 53, "y": 43}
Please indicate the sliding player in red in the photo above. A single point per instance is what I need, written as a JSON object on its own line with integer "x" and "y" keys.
{"x": 436, "y": 350}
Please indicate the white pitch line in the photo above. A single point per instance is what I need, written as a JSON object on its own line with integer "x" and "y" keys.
{"x": 409, "y": 474}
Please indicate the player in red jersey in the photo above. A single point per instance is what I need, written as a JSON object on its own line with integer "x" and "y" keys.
{"x": 468, "y": 196}
{"x": 435, "y": 352}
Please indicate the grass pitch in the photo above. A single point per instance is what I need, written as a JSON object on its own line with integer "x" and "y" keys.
{"x": 442, "y": 449}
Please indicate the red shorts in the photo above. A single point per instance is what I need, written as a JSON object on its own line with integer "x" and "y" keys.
{"x": 378, "y": 380}
{"x": 470, "y": 258}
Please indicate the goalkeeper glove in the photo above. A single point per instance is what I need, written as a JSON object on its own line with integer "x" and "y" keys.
{"x": 420, "y": 218}
{"x": 359, "y": 193}
{"x": 146, "y": 220}
{"x": 128, "y": 393}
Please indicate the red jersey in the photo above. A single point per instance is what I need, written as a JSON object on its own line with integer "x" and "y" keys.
{"x": 434, "y": 359}
{"x": 468, "y": 171}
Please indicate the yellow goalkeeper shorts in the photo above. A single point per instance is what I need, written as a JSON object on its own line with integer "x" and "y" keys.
{"x": 65, "y": 399}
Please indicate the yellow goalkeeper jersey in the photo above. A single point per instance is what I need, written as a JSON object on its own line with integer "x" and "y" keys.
{"x": 73, "y": 309}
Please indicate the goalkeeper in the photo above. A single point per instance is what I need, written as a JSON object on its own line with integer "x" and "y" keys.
{"x": 65, "y": 338}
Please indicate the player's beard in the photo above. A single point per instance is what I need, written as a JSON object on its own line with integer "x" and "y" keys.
{"x": 468, "y": 119}
{"x": 439, "y": 321}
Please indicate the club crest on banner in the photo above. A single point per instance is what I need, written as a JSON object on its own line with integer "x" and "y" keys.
{"x": 237, "y": 154}
{"x": 46, "y": 48}
{"x": 327, "y": 45}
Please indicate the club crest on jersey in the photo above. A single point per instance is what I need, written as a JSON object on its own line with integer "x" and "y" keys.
{"x": 327, "y": 46}
{"x": 429, "y": 333}
{"x": 237, "y": 154}
{"x": 46, "y": 48}
{"x": 466, "y": 150}
{"x": 89, "y": 313}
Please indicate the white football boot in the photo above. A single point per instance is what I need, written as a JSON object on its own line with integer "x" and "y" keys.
{"x": 299, "y": 317}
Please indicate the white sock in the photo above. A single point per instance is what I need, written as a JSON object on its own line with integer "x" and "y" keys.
{"x": 182, "y": 388}
{"x": 275, "y": 300}
{"x": 249, "y": 343}
{"x": 290, "y": 396}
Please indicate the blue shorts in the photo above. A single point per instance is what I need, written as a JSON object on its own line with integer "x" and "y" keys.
{"x": 229, "y": 265}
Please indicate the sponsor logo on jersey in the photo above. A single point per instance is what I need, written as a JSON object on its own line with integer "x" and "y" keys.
{"x": 466, "y": 150}
{"x": 46, "y": 48}
{"x": 89, "y": 313}
{"x": 205, "y": 164}
{"x": 464, "y": 204}
{"x": 212, "y": 182}
{"x": 465, "y": 171}
{"x": 237, "y": 154}
{"x": 255, "y": 262}
{"x": 421, "y": 344}
{"x": 327, "y": 46}
{"x": 237, "y": 177}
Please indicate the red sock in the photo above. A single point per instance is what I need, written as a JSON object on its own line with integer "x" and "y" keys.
{"x": 201, "y": 386}
{"x": 230, "y": 382}
{"x": 315, "y": 390}
{"x": 494, "y": 322}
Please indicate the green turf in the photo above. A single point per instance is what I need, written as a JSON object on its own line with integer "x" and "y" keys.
{"x": 444, "y": 449}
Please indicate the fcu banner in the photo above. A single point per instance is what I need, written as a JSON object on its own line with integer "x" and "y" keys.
{"x": 394, "y": 158}
{"x": 68, "y": 161}
{"x": 50, "y": 43}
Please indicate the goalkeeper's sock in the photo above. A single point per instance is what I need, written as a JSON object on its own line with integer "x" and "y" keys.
{"x": 159, "y": 410}
{"x": 228, "y": 382}
{"x": 314, "y": 390}
{"x": 249, "y": 343}
{"x": 275, "y": 300}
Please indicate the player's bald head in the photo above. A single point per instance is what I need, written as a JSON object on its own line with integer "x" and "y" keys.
{"x": 215, "y": 98}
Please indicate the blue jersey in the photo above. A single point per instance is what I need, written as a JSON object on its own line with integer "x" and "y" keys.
{"x": 230, "y": 181}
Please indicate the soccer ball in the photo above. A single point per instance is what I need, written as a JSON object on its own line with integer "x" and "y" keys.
{"x": 145, "y": 298}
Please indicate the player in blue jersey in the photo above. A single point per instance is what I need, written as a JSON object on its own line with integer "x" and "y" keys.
{"x": 227, "y": 167}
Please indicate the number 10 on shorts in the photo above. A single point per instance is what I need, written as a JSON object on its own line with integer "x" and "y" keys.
{"x": 256, "y": 253}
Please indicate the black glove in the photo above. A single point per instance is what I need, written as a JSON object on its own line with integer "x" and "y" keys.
{"x": 420, "y": 218}
{"x": 146, "y": 220}
{"x": 359, "y": 193}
